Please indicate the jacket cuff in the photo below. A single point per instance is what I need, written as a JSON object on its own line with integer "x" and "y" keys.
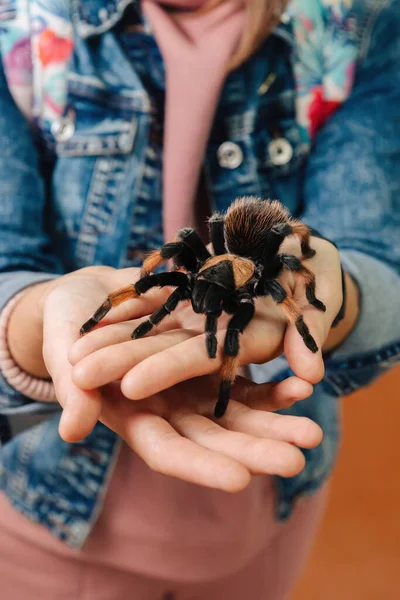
{"x": 373, "y": 346}
{"x": 378, "y": 324}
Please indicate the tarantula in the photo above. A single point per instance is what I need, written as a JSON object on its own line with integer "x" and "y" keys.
{"x": 246, "y": 264}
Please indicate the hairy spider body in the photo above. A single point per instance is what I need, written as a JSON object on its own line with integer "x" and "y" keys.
{"x": 246, "y": 264}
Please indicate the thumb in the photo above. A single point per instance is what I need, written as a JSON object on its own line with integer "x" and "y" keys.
{"x": 326, "y": 267}
{"x": 304, "y": 363}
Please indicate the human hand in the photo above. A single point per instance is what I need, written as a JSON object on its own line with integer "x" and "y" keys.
{"x": 176, "y": 434}
{"x": 104, "y": 356}
{"x": 171, "y": 431}
{"x": 62, "y": 306}
{"x": 66, "y": 303}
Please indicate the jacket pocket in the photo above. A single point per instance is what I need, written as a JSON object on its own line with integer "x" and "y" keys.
{"x": 90, "y": 129}
{"x": 98, "y": 159}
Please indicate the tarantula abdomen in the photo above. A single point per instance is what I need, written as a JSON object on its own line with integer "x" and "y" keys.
{"x": 245, "y": 264}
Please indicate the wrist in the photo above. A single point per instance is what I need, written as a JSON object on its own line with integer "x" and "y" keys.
{"x": 25, "y": 331}
{"x": 338, "y": 334}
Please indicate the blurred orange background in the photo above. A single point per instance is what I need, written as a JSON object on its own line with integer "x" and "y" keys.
{"x": 357, "y": 553}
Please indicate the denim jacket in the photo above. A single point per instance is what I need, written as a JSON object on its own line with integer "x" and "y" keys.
{"x": 84, "y": 187}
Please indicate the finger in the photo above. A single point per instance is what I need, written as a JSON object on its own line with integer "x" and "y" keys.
{"x": 168, "y": 453}
{"x": 112, "y": 362}
{"x": 190, "y": 359}
{"x": 80, "y": 415}
{"x": 250, "y": 413}
{"x": 167, "y": 368}
{"x": 295, "y": 430}
{"x": 81, "y": 408}
{"x": 271, "y": 396}
{"x": 304, "y": 363}
{"x": 326, "y": 267}
{"x": 112, "y": 335}
{"x": 258, "y": 455}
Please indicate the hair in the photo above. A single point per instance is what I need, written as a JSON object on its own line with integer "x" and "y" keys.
{"x": 248, "y": 225}
{"x": 261, "y": 17}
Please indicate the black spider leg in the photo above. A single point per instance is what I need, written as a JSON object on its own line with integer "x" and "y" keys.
{"x": 230, "y": 365}
{"x": 304, "y": 233}
{"x": 273, "y": 288}
{"x": 294, "y": 264}
{"x": 178, "y": 251}
{"x": 183, "y": 292}
{"x": 183, "y": 257}
{"x": 213, "y": 309}
{"x": 192, "y": 240}
{"x": 133, "y": 290}
{"x": 187, "y": 251}
{"x": 217, "y": 234}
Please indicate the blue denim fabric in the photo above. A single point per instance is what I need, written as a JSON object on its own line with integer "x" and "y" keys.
{"x": 96, "y": 199}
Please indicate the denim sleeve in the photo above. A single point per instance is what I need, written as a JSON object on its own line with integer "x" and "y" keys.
{"x": 352, "y": 196}
{"x": 25, "y": 248}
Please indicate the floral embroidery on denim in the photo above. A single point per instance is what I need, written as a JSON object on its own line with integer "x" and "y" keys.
{"x": 36, "y": 45}
{"x": 325, "y": 59}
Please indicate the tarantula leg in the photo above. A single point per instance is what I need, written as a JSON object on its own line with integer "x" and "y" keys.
{"x": 192, "y": 240}
{"x": 304, "y": 233}
{"x": 157, "y": 257}
{"x": 186, "y": 251}
{"x": 199, "y": 294}
{"x": 217, "y": 234}
{"x": 182, "y": 293}
{"x": 144, "y": 284}
{"x": 114, "y": 299}
{"x": 292, "y": 263}
{"x": 169, "y": 278}
{"x": 228, "y": 372}
{"x": 292, "y": 312}
{"x": 309, "y": 280}
{"x": 231, "y": 364}
{"x": 211, "y": 333}
{"x": 212, "y": 306}
{"x": 182, "y": 255}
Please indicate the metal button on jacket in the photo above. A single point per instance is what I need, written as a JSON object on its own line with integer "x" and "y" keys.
{"x": 280, "y": 151}
{"x": 103, "y": 14}
{"x": 63, "y": 129}
{"x": 230, "y": 155}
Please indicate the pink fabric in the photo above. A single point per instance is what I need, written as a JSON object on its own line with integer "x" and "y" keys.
{"x": 196, "y": 53}
{"x": 35, "y": 388}
{"x": 157, "y": 534}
